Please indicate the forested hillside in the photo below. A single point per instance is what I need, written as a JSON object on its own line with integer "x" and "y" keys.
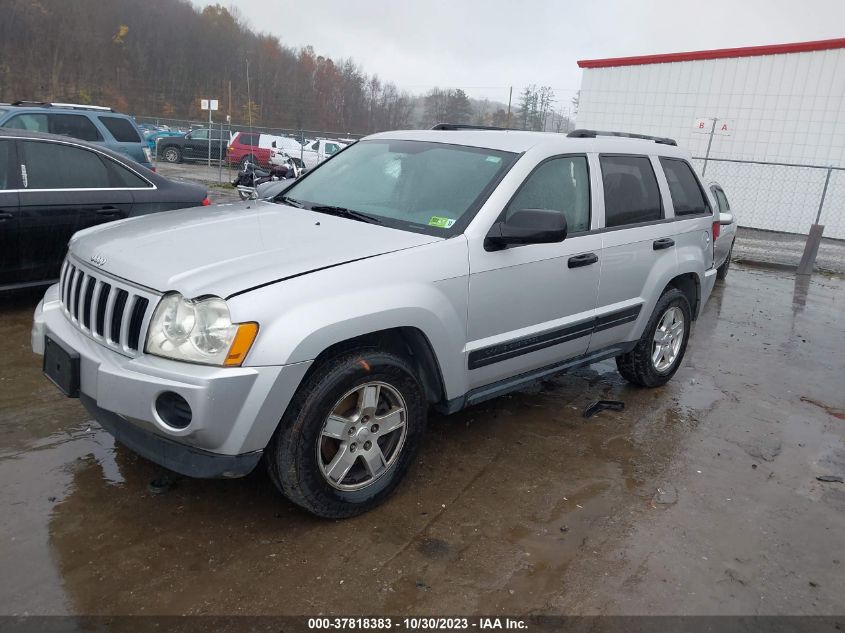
{"x": 159, "y": 57}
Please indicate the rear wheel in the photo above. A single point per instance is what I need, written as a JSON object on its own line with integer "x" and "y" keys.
{"x": 172, "y": 154}
{"x": 659, "y": 352}
{"x": 350, "y": 434}
{"x": 722, "y": 271}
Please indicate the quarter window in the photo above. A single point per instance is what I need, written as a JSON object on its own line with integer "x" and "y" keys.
{"x": 687, "y": 196}
{"x": 121, "y": 129}
{"x": 631, "y": 194}
{"x": 74, "y": 125}
{"x": 560, "y": 184}
{"x": 59, "y": 166}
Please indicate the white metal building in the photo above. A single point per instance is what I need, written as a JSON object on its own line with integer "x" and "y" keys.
{"x": 783, "y": 104}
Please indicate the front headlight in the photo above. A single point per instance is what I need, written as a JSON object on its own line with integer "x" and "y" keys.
{"x": 198, "y": 331}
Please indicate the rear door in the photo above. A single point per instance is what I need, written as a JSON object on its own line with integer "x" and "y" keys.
{"x": 638, "y": 246}
{"x": 66, "y": 188}
{"x": 9, "y": 213}
{"x": 727, "y": 232}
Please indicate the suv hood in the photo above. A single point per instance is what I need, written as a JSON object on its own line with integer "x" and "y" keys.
{"x": 221, "y": 250}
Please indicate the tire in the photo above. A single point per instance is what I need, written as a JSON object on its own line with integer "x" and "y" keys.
{"x": 172, "y": 154}
{"x": 301, "y": 457}
{"x": 638, "y": 366}
{"x": 722, "y": 271}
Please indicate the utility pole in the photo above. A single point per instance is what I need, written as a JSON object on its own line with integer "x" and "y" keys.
{"x": 510, "y": 97}
{"x": 709, "y": 144}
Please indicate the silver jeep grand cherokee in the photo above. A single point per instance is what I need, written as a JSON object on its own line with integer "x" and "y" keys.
{"x": 412, "y": 269}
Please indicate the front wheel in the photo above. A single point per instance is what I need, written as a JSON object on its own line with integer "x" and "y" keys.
{"x": 350, "y": 434}
{"x": 658, "y": 353}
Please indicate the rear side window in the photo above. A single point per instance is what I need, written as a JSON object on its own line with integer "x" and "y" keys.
{"x": 31, "y": 122}
{"x": 121, "y": 129}
{"x": 560, "y": 184}
{"x": 687, "y": 196}
{"x": 75, "y": 125}
{"x": 58, "y": 166}
{"x": 631, "y": 194}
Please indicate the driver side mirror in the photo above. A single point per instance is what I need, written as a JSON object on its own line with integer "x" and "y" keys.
{"x": 273, "y": 144}
{"x": 527, "y": 226}
{"x": 726, "y": 218}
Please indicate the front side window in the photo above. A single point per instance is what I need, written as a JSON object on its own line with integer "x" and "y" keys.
{"x": 74, "y": 125}
{"x": 30, "y": 122}
{"x": 631, "y": 194}
{"x": 121, "y": 129}
{"x": 687, "y": 196}
{"x": 199, "y": 135}
{"x": 59, "y": 166}
{"x": 415, "y": 185}
{"x": 560, "y": 184}
{"x": 331, "y": 148}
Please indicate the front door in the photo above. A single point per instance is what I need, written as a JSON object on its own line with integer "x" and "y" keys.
{"x": 67, "y": 188}
{"x": 9, "y": 220}
{"x": 532, "y": 306}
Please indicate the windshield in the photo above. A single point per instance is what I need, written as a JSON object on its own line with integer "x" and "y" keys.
{"x": 433, "y": 188}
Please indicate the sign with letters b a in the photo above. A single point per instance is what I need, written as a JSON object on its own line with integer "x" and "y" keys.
{"x": 703, "y": 125}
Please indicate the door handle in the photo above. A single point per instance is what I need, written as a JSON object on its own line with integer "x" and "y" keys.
{"x": 108, "y": 211}
{"x": 584, "y": 259}
{"x": 5, "y": 216}
{"x": 663, "y": 242}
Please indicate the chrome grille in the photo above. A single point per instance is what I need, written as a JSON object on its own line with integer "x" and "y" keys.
{"x": 113, "y": 313}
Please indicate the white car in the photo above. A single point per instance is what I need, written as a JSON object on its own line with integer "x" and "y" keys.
{"x": 312, "y": 153}
{"x": 727, "y": 234}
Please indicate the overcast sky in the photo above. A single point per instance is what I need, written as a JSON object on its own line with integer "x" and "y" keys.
{"x": 484, "y": 46}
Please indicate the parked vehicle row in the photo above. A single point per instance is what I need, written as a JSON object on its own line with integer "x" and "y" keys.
{"x": 415, "y": 269}
{"x": 54, "y": 186}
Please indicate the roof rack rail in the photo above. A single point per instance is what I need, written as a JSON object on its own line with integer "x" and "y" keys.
{"x": 461, "y": 126}
{"x": 645, "y": 137}
{"x": 73, "y": 106}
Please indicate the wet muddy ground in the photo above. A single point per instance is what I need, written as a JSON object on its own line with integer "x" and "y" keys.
{"x": 699, "y": 498}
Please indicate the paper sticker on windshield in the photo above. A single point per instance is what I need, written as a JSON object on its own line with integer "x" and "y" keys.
{"x": 441, "y": 222}
{"x": 494, "y": 159}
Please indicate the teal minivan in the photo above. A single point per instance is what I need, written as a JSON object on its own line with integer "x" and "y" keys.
{"x": 95, "y": 124}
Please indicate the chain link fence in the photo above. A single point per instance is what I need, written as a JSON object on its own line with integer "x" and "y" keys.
{"x": 782, "y": 197}
{"x": 213, "y": 165}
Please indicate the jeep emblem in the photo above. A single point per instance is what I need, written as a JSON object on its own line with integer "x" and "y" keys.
{"x": 98, "y": 260}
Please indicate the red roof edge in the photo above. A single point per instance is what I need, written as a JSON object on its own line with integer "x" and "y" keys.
{"x": 717, "y": 53}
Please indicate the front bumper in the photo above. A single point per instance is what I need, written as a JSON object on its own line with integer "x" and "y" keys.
{"x": 235, "y": 410}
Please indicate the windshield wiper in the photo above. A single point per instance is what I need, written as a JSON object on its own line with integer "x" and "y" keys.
{"x": 346, "y": 213}
{"x": 291, "y": 201}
